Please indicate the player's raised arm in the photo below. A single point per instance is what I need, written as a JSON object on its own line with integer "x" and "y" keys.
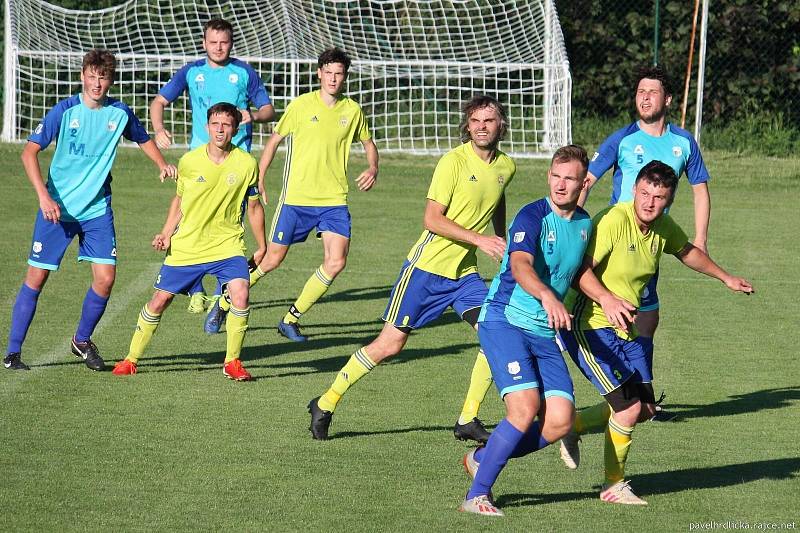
{"x": 166, "y": 170}
{"x": 266, "y": 160}
{"x": 30, "y": 161}
{"x": 436, "y": 222}
{"x": 265, "y": 113}
{"x": 366, "y": 180}
{"x": 699, "y": 261}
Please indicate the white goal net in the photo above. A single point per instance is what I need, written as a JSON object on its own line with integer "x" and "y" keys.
{"x": 415, "y": 62}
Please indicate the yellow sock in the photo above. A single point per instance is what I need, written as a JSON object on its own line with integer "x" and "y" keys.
{"x": 256, "y": 275}
{"x": 225, "y": 301}
{"x": 315, "y": 287}
{"x": 236, "y": 327}
{"x": 356, "y": 368}
{"x": 479, "y": 384}
{"x": 145, "y": 327}
{"x": 592, "y": 418}
{"x": 618, "y": 442}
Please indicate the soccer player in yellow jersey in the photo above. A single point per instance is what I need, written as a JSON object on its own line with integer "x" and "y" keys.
{"x": 321, "y": 127}
{"x": 205, "y": 236}
{"x": 466, "y": 193}
{"x": 623, "y": 254}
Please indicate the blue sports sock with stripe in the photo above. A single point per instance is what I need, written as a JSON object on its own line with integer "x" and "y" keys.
{"x": 21, "y": 317}
{"x": 531, "y": 441}
{"x": 94, "y": 306}
{"x": 494, "y": 457}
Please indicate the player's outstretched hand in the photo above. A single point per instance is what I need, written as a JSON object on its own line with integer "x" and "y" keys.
{"x": 161, "y": 242}
{"x": 168, "y": 171}
{"x": 493, "y": 246}
{"x": 557, "y": 315}
{"x": 738, "y": 284}
{"x": 50, "y": 209}
{"x": 163, "y": 139}
{"x": 619, "y": 312}
{"x": 366, "y": 180}
{"x": 247, "y": 116}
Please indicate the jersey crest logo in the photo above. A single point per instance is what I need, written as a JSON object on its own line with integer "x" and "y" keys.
{"x": 639, "y": 149}
{"x": 473, "y": 178}
{"x": 74, "y": 124}
{"x": 551, "y": 236}
{"x": 37, "y": 247}
{"x": 233, "y": 78}
{"x": 676, "y": 151}
{"x": 314, "y": 119}
{"x": 653, "y": 248}
{"x": 631, "y": 248}
{"x": 39, "y": 129}
{"x": 343, "y": 122}
{"x": 584, "y": 235}
{"x": 231, "y": 179}
{"x": 513, "y": 367}
{"x": 519, "y": 236}
{"x": 201, "y": 179}
{"x": 501, "y": 180}
{"x": 199, "y": 78}
{"x": 111, "y": 126}
{"x": 595, "y": 156}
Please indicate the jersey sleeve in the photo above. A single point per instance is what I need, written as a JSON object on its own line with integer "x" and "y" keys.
{"x": 605, "y": 234}
{"x": 675, "y": 238}
{"x": 444, "y": 179}
{"x": 606, "y": 155}
{"x": 175, "y": 86}
{"x": 47, "y": 130}
{"x": 362, "y": 129}
{"x": 288, "y": 122}
{"x": 134, "y": 131}
{"x": 256, "y": 92}
{"x": 525, "y": 230}
{"x": 696, "y": 171}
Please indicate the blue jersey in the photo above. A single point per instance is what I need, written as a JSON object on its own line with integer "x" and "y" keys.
{"x": 236, "y": 83}
{"x": 630, "y": 148}
{"x": 557, "y": 246}
{"x": 86, "y": 144}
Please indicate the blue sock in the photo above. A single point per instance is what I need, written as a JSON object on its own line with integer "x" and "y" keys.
{"x": 94, "y": 306}
{"x": 21, "y": 317}
{"x": 531, "y": 441}
{"x": 494, "y": 457}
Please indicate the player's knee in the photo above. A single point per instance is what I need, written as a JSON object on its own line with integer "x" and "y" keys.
{"x": 522, "y": 416}
{"x": 103, "y": 283}
{"x": 159, "y": 302}
{"x": 333, "y": 266}
{"x": 36, "y": 278}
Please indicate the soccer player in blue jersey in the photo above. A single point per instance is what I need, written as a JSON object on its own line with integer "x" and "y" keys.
{"x": 651, "y": 137}
{"x": 518, "y": 322}
{"x": 623, "y": 254}
{"x": 76, "y": 200}
{"x": 216, "y": 78}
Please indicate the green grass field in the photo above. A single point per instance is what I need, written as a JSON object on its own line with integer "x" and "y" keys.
{"x": 179, "y": 447}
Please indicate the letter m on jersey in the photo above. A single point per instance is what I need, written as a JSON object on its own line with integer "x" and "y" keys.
{"x": 76, "y": 149}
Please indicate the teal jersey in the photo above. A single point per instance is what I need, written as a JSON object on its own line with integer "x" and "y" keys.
{"x": 629, "y": 149}
{"x": 557, "y": 246}
{"x": 236, "y": 83}
{"x": 86, "y": 145}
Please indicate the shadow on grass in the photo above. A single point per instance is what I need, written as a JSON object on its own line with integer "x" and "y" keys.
{"x": 676, "y": 481}
{"x": 749, "y": 402}
{"x": 351, "y": 434}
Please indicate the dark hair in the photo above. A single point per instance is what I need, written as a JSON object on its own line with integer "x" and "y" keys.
{"x": 218, "y": 25}
{"x": 571, "y": 152}
{"x": 653, "y": 73}
{"x": 659, "y": 174}
{"x": 334, "y": 55}
{"x": 224, "y": 108}
{"x": 479, "y": 102}
{"x": 102, "y": 61}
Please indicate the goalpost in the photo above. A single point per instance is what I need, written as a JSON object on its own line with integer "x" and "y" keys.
{"x": 414, "y": 61}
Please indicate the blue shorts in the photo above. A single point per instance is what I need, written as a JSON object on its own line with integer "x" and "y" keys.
{"x": 650, "y": 295}
{"x": 607, "y": 360}
{"x": 295, "y": 222}
{"x": 179, "y": 279}
{"x": 419, "y": 297}
{"x": 97, "y": 241}
{"x": 522, "y": 360}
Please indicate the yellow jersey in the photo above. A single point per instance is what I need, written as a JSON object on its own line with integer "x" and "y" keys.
{"x": 471, "y": 188}
{"x": 319, "y": 149}
{"x": 212, "y": 206}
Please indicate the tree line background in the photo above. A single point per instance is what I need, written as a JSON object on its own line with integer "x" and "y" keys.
{"x": 752, "y": 86}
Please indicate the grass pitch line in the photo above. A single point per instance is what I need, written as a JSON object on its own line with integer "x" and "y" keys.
{"x": 120, "y": 300}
